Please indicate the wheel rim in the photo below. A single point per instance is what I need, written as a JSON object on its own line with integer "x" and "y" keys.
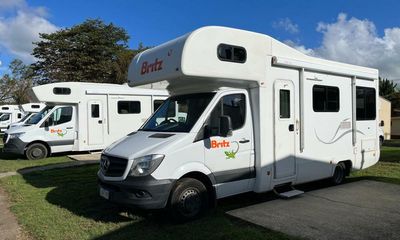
{"x": 37, "y": 152}
{"x": 190, "y": 202}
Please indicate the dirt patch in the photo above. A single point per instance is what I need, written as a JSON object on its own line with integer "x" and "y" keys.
{"x": 9, "y": 228}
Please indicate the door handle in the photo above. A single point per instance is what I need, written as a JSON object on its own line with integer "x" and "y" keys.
{"x": 69, "y": 127}
{"x": 244, "y": 141}
{"x": 100, "y": 121}
{"x": 291, "y": 127}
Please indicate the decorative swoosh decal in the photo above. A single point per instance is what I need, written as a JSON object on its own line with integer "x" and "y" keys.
{"x": 334, "y": 138}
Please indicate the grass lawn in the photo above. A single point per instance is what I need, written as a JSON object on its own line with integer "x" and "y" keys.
{"x": 64, "y": 204}
{"x": 11, "y": 163}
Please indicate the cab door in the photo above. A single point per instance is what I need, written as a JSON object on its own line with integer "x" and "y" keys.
{"x": 60, "y": 129}
{"x": 230, "y": 158}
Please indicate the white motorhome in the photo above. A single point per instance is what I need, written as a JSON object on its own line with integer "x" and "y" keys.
{"x": 81, "y": 117}
{"x": 9, "y": 114}
{"x": 29, "y": 110}
{"x": 253, "y": 115}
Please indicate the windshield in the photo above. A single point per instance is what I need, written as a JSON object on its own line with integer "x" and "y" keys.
{"x": 178, "y": 113}
{"x": 5, "y": 117}
{"x": 25, "y": 117}
{"x": 39, "y": 116}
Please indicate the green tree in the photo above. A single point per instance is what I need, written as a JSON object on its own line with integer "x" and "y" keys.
{"x": 87, "y": 52}
{"x": 15, "y": 87}
{"x": 387, "y": 88}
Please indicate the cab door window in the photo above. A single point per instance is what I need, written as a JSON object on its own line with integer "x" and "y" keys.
{"x": 60, "y": 115}
{"x": 234, "y": 106}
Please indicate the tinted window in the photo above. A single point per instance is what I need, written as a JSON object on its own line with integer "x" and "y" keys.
{"x": 5, "y": 117}
{"x": 284, "y": 103}
{"x": 325, "y": 98}
{"x": 366, "y": 103}
{"x": 233, "y": 106}
{"x": 61, "y": 91}
{"x": 231, "y": 53}
{"x": 178, "y": 113}
{"x": 60, "y": 115}
{"x": 19, "y": 115}
{"x": 5, "y": 108}
{"x": 35, "y": 106}
{"x": 95, "y": 111}
{"x": 157, "y": 104}
{"x": 128, "y": 107}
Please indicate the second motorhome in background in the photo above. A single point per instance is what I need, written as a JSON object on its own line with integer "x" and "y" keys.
{"x": 9, "y": 114}
{"x": 253, "y": 114}
{"x": 81, "y": 117}
{"x": 29, "y": 110}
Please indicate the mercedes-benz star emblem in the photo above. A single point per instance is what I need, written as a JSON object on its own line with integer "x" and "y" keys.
{"x": 104, "y": 163}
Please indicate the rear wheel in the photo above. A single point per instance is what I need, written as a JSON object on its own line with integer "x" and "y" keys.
{"x": 189, "y": 199}
{"x": 339, "y": 174}
{"x": 36, "y": 151}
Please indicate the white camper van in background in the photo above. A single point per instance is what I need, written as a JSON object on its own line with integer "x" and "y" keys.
{"x": 9, "y": 114}
{"x": 81, "y": 117}
{"x": 246, "y": 113}
{"x": 29, "y": 110}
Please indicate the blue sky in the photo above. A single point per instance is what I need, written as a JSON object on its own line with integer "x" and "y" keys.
{"x": 359, "y": 32}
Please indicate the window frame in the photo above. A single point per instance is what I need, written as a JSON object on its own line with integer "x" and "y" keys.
{"x": 364, "y": 95}
{"x": 326, "y": 87}
{"x": 128, "y": 101}
{"x": 63, "y": 91}
{"x": 233, "y": 53}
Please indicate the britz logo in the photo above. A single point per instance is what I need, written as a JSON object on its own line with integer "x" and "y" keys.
{"x": 151, "y": 67}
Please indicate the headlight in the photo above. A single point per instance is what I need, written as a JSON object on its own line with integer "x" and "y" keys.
{"x": 15, "y": 135}
{"x": 143, "y": 166}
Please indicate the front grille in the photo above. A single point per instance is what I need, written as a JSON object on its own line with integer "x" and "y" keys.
{"x": 113, "y": 166}
{"x": 5, "y": 136}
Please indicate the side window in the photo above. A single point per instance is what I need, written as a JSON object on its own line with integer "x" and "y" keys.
{"x": 366, "y": 103}
{"x": 234, "y": 106}
{"x": 61, "y": 91}
{"x": 157, "y": 104}
{"x": 284, "y": 103}
{"x": 19, "y": 115}
{"x": 60, "y": 115}
{"x": 129, "y": 107}
{"x": 95, "y": 110}
{"x": 325, "y": 98}
{"x": 231, "y": 53}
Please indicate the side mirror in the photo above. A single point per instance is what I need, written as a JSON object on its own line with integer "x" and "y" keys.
{"x": 46, "y": 123}
{"x": 225, "y": 126}
{"x": 382, "y": 123}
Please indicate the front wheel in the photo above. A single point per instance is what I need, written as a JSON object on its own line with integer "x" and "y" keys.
{"x": 189, "y": 200}
{"x": 339, "y": 174}
{"x": 36, "y": 151}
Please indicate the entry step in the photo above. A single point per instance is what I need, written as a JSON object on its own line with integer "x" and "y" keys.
{"x": 289, "y": 194}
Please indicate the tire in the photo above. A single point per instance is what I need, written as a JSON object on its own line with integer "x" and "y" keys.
{"x": 339, "y": 174}
{"x": 36, "y": 151}
{"x": 189, "y": 200}
{"x": 380, "y": 141}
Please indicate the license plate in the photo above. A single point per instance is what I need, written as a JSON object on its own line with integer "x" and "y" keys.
{"x": 104, "y": 193}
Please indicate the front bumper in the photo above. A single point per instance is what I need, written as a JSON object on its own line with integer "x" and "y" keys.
{"x": 142, "y": 192}
{"x": 15, "y": 145}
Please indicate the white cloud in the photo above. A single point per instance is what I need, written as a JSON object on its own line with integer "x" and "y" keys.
{"x": 287, "y": 25}
{"x": 356, "y": 41}
{"x": 18, "y": 32}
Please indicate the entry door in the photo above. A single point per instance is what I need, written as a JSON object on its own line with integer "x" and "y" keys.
{"x": 95, "y": 123}
{"x": 229, "y": 158}
{"x": 285, "y": 159}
